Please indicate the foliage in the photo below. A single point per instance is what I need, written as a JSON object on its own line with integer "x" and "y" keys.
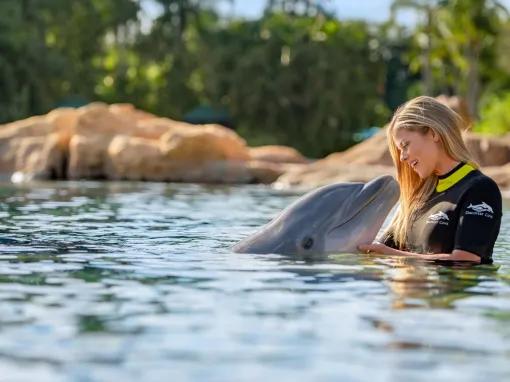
{"x": 48, "y": 48}
{"x": 495, "y": 116}
{"x": 295, "y": 76}
{"x": 454, "y": 45}
{"x": 309, "y": 82}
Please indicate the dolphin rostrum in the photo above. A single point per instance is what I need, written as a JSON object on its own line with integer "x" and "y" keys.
{"x": 331, "y": 219}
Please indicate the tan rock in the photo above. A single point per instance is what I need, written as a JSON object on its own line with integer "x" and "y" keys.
{"x": 95, "y": 128}
{"x": 201, "y": 143}
{"x": 488, "y": 151}
{"x": 267, "y": 172}
{"x": 64, "y": 120}
{"x": 215, "y": 171}
{"x": 155, "y": 128}
{"x": 8, "y": 150}
{"x": 360, "y": 163}
{"x": 129, "y": 111}
{"x": 135, "y": 158}
{"x": 96, "y": 119}
{"x": 37, "y": 157}
{"x": 276, "y": 154}
{"x": 87, "y": 157}
{"x": 119, "y": 142}
{"x": 12, "y": 136}
{"x": 373, "y": 150}
{"x": 176, "y": 151}
{"x": 313, "y": 176}
{"x": 29, "y": 127}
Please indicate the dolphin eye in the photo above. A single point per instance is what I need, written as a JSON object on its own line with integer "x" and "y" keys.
{"x": 307, "y": 242}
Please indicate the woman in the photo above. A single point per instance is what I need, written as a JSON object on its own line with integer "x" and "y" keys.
{"x": 448, "y": 209}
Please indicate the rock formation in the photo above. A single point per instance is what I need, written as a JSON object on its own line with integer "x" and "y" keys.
{"x": 120, "y": 142}
{"x": 117, "y": 142}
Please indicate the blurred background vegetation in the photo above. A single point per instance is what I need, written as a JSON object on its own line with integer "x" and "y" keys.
{"x": 297, "y": 75}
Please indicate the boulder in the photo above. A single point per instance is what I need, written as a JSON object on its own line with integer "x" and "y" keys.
{"x": 129, "y": 111}
{"x": 486, "y": 150}
{"x": 313, "y": 176}
{"x": 64, "y": 121}
{"x": 118, "y": 141}
{"x": 37, "y": 158}
{"x": 373, "y": 150}
{"x": 29, "y": 127}
{"x": 201, "y": 143}
{"x": 155, "y": 128}
{"x": 87, "y": 157}
{"x": 96, "y": 119}
{"x": 276, "y": 154}
{"x": 12, "y": 136}
{"x": 95, "y": 128}
{"x": 137, "y": 158}
{"x": 267, "y": 172}
{"x": 99, "y": 141}
{"x": 215, "y": 171}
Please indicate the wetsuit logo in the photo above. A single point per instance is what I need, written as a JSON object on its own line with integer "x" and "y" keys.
{"x": 482, "y": 209}
{"x": 439, "y": 218}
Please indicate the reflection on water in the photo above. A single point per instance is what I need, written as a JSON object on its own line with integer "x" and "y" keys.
{"x": 135, "y": 281}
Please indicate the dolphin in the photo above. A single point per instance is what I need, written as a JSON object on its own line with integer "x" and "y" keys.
{"x": 332, "y": 219}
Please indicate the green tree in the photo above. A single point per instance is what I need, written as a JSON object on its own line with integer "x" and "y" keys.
{"x": 423, "y": 37}
{"x": 472, "y": 28}
{"x": 309, "y": 82}
{"x": 49, "y": 47}
{"x": 455, "y": 45}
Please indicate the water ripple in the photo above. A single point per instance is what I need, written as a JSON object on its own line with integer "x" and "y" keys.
{"x": 135, "y": 281}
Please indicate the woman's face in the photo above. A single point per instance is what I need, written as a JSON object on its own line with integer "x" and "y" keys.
{"x": 420, "y": 151}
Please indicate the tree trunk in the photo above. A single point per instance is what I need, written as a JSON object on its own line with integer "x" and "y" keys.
{"x": 428, "y": 80}
{"x": 473, "y": 79}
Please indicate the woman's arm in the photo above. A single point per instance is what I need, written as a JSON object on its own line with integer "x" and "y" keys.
{"x": 456, "y": 255}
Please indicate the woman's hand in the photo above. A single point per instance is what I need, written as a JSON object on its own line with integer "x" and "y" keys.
{"x": 376, "y": 248}
{"x": 456, "y": 255}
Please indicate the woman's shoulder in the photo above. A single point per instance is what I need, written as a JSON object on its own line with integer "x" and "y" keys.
{"x": 482, "y": 182}
{"x": 481, "y": 186}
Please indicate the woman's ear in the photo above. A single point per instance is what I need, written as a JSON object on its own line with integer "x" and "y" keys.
{"x": 435, "y": 136}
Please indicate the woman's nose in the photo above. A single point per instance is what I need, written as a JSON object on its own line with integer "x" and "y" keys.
{"x": 403, "y": 156}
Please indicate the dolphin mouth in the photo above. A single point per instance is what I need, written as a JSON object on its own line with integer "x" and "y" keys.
{"x": 388, "y": 184}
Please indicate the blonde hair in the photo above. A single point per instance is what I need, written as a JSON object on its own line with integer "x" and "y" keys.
{"x": 422, "y": 114}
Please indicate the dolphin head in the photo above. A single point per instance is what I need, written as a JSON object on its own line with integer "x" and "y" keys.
{"x": 332, "y": 219}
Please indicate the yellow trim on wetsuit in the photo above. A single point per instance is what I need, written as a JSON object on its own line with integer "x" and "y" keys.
{"x": 446, "y": 183}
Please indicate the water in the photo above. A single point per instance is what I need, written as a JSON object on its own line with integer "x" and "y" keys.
{"x": 135, "y": 281}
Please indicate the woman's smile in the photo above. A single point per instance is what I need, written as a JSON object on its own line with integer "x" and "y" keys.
{"x": 421, "y": 152}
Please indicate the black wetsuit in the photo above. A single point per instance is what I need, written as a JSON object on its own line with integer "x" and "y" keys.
{"x": 463, "y": 213}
